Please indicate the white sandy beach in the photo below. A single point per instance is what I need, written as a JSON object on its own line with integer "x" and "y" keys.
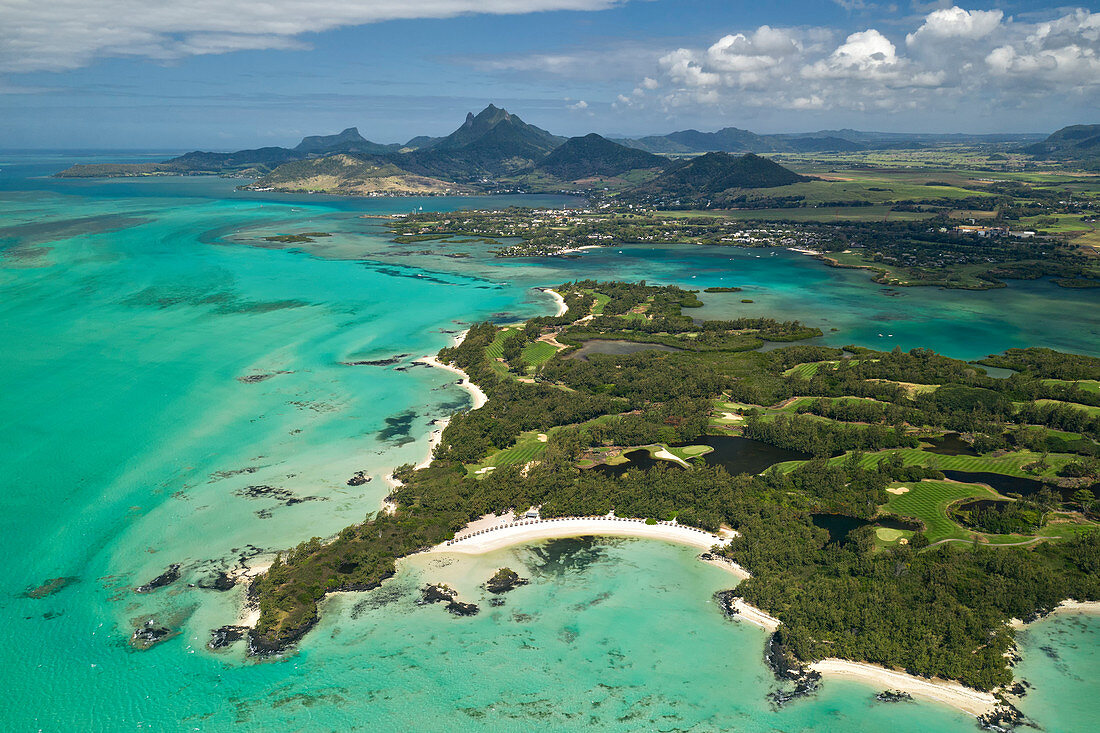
{"x": 562, "y": 307}
{"x": 954, "y": 694}
{"x": 475, "y": 540}
{"x": 434, "y": 439}
{"x": 754, "y": 615}
{"x": 248, "y": 614}
{"x": 475, "y": 392}
{"x": 1066, "y": 606}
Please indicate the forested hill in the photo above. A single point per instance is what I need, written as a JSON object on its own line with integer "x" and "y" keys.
{"x": 593, "y": 155}
{"x": 348, "y": 141}
{"x": 1079, "y": 143}
{"x": 713, "y": 176}
{"x": 352, "y": 175}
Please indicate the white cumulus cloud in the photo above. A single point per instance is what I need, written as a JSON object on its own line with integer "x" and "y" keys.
{"x": 55, "y": 35}
{"x": 952, "y": 58}
{"x": 956, "y": 23}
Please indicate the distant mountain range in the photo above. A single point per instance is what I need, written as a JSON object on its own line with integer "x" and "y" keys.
{"x": 495, "y": 149}
{"x": 735, "y": 140}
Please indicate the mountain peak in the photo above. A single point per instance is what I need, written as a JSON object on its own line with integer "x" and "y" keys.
{"x": 319, "y": 143}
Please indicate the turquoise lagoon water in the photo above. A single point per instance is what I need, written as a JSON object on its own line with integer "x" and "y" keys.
{"x": 132, "y": 314}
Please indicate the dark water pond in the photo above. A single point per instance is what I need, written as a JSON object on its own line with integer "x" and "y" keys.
{"x": 839, "y": 526}
{"x": 736, "y": 455}
{"x": 951, "y": 444}
{"x": 997, "y": 372}
{"x": 744, "y": 455}
{"x": 616, "y": 348}
{"x": 1003, "y": 484}
{"x": 638, "y": 459}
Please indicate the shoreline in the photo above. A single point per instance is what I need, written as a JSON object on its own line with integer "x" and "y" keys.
{"x": 562, "y": 307}
{"x": 479, "y": 397}
{"x": 968, "y": 700}
{"x": 434, "y": 439}
{"x": 488, "y": 534}
{"x": 1067, "y": 606}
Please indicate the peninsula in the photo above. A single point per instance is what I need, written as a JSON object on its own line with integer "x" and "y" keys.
{"x": 949, "y": 501}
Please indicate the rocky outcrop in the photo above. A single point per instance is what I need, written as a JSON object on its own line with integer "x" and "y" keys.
{"x": 150, "y": 634}
{"x": 894, "y": 696}
{"x": 439, "y": 592}
{"x": 803, "y": 681}
{"x": 505, "y": 580}
{"x": 359, "y": 479}
{"x": 226, "y": 635}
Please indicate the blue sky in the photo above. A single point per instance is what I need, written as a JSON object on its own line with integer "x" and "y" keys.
{"x": 226, "y": 74}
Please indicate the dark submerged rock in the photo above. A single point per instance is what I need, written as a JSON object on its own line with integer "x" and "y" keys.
{"x": 254, "y": 378}
{"x": 496, "y": 602}
{"x": 51, "y": 586}
{"x": 226, "y": 635}
{"x": 169, "y": 576}
{"x": 220, "y": 581}
{"x": 396, "y": 358}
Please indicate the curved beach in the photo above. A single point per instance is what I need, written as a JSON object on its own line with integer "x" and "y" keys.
{"x": 479, "y": 397}
{"x": 562, "y": 307}
{"x": 518, "y": 532}
{"x": 958, "y": 696}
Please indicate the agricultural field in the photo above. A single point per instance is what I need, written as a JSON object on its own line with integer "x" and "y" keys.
{"x": 821, "y": 214}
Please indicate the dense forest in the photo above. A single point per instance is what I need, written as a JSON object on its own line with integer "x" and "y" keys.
{"x": 930, "y": 609}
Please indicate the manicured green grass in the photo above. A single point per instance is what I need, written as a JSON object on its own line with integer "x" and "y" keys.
{"x": 495, "y": 350}
{"x": 601, "y": 301}
{"x": 1092, "y": 411}
{"x": 688, "y": 452}
{"x": 913, "y": 389}
{"x": 527, "y": 448}
{"x": 806, "y": 371}
{"x": 1008, "y": 464}
{"x": 1086, "y": 385}
{"x": 538, "y": 353}
{"x": 810, "y": 369}
{"x": 928, "y": 502}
